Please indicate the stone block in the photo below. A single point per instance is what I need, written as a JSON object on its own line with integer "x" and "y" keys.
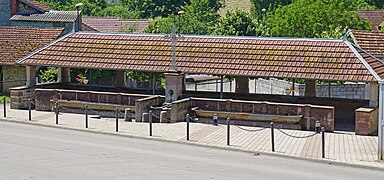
{"x": 128, "y": 115}
{"x": 163, "y": 117}
{"x": 366, "y": 121}
{"x": 144, "y": 117}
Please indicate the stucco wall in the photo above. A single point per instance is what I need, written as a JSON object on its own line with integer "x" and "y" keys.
{"x": 5, "y": 12}
{"x": 13, "y": 76}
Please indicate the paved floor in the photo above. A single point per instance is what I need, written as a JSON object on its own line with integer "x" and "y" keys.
{"x": 340, "y": 147}
{"x": 33, "y": 152}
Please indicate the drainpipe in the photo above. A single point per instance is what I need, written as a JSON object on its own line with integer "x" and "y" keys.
{"x": 380, "y": 121}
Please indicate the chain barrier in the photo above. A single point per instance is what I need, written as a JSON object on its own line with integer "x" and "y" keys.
{"x": 96, "y": 112}
{"x": 251, "y": 130}
{"x": 293, "y": 136}
{"x": 71, "y": 110}
{"x": 153, "y": 114}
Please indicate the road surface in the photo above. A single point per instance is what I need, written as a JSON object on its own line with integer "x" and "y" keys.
{"x": 34, "y": 152}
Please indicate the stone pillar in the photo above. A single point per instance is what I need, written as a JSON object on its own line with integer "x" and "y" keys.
{"x": 31, "y": 76}
{"x": 371, "y": 93}
{"x": 310, "y": 88}
{"x": 63, "y": 75}
{"x": 174, "y": 83}
{"x": 120, "y": 78}
{"x": 242, "y": 85}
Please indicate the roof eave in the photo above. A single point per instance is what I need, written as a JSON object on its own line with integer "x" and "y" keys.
{"x": 365, "y": 63}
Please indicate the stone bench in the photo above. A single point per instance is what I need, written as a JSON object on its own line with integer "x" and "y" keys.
{"x": 293, "y": 119}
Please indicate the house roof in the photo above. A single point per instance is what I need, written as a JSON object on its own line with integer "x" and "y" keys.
{"x": 370, "y": 41}
{"x": 375, "y": 16}
{"x": 110, "y": 24}
{"x": 17, "y": 42}
{"x": 36, "y": 5}
{"x": 51, "y": 16}
{"x": 240, "y": 56}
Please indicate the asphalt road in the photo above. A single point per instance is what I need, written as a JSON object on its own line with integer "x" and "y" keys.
{"x": 34, "y": 152}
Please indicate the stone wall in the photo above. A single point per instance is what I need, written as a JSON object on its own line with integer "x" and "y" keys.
{"x": 347, "y": 91}
{"x": 143, "y": 105}
{"x": 344, "y": 108}
{"x": 20, "y": 96}
{"x": 5, "y": 12}
{"x": 278, "y": 87}
{"x": 366, "y": 121}
{"x": 179, "y": 109}
{"x": 13, "y": 76}
{"x": 44, "y": 97}
{"x": 310, "y": 113}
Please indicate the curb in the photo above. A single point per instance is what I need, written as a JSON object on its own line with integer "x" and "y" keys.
{"x": 323, "y": 161}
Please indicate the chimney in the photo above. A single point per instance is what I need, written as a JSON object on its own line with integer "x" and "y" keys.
{"x": 13, "y": 7}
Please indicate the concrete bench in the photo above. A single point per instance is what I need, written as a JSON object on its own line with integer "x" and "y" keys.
{"x": 294, "y": 119}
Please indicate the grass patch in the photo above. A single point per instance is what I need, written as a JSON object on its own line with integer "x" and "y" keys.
{"x": 7, "y": 98}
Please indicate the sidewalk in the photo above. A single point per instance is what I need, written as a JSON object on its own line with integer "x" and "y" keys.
{"x": 340, "y": 147}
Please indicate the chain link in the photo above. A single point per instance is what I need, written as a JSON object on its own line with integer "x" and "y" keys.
{"x": 251, "y": 130}
{"x": 299, "y": 137}
{"x": 70, "y": 110}
{"x": 155, "y": 116}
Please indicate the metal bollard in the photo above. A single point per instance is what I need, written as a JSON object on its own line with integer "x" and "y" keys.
{"x": 117, "y": 119}
{"x": 273, "y": 137}
{"x": 57, "y": 112}
{"x": 228, "y": 131}
{"x": 5, "y": 106}
{"x": 150, "y": 123}
{"x": 29, "y": 110}
{"x": 323, "y": 142}
{"x": 86, "y": 115}
{"x": 187, "y": 119}
{"x": 215, "y": 123}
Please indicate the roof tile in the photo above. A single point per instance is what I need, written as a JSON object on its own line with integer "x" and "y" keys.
{"x": 17, "y": 42}
{"x": 292, "y": 58}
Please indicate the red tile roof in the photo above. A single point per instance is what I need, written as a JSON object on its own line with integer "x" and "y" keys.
{"x": 371, "y": 41}
{"x": 375, "y": 16}
{"x": 17, "y": 42}
{"x": 37, "y": 4}
{"x": 110, "y": 24}
{"x": 242, "y": 56}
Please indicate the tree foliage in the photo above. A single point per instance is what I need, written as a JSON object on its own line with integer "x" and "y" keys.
{"x": 378, "y": 3}
{"x": 240, "y": 23}
{"x": 261, "y": 6}
{"x": 90, "y": 8}
{"x": 162, "y": 8}
{"x": 198, "y": 18}
{"x": 308, "y": 18}
{"x": 48, "y": 74}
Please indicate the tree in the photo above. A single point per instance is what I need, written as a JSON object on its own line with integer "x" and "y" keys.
{"x": 90, "y": 8}
{"x": 308, "y": 18}
{"x": 261, "y": 6}
{"x": 240, "y": 23}
{"x": 163, "y": 8}
{"x": 48, "y": 74}
{"x": 199, "y": 18}
{"x": 377, "y": 3}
